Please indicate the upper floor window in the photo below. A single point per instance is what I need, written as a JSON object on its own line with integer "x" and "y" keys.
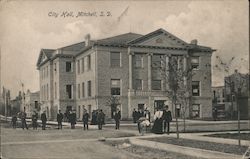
{"x": 83, "y": 89}
{"x": 79, "y": 90}
{"x": 195, "y": 88}
{"x": 69, "y": 91}
{"x": 78, "y": 66}
{"x": 157, "y": 61}
{"x": 195, "y": 62}
{"x": 115, "y": 59}
{"x": 82, "y": 65}
{"x": 68, "y": 67}
{"x": 156, "y": 84}
{"x": 89, "y": 88}
{"x": 138, "y": 61}
{"x": 138, "y": 84}
{"x": 115, "y": 87}
{"x": 89, "y": 62}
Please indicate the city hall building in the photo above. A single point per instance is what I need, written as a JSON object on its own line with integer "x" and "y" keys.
{"x": 128, "y": 68}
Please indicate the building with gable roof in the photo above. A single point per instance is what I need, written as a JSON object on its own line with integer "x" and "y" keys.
{"x": 87, "y": 74}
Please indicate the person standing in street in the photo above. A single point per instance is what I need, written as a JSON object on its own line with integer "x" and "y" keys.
{"x": 72, "y": 119}
{"x": 34, "y": 120}
{"x": 134, "y": 115}
{"x": 59, "y": 119}
{"x": 13, "y": 121}
{"x": 85, "y": 120}
{"x": 23, "y": 120}
{"x": 117, "y": 118}
{"x": 100, "y": 118}
{"x": 167, "y": 117}
{"x": 44, "y": 120}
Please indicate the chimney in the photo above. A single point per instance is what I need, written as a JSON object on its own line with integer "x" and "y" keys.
{"x": 194, "y": 42}
{"x": 87, "y": 40}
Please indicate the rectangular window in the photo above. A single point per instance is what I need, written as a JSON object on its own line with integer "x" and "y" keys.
{"x": 78, "y": 66}
{"x": 55, "y": 91}
{"x": 82, "y": 65}
{"x": 195, "y": 88}
{"x": 83, "y": 90}
{"x": 157, "y": 61}
{"x": 138, "y": 61}
{"x": 69, "y": 91}
{"x": 79, "y": 90}
{"x": 36, "y": 104}
{"x": 89, "y": 88}
{"x": 89, "y": 62}
{"x": 195, "y": 62}
{"x": 138, "y": 84}
{"x": 115, "y": 87}
{"x": 68, "y": 67}
{"x": 156, "y": 84}
{"x": 196, "y": 111}
{"x": 115, "y": 59}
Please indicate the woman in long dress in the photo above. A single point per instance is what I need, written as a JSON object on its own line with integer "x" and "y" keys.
{"x": 157, "y": 127}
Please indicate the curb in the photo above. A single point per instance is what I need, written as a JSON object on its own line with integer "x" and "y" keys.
{"x": 200, "y": 153}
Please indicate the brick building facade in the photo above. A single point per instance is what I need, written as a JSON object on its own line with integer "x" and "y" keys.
{"x": 87, "y": 74}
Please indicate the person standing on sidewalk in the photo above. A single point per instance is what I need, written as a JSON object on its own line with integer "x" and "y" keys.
{"x": 23, "y": 120}
{"x": 34, "y": 120}
{"x": 117, "y": 118}
{"x": 72, "y": 119}
{"x": 13, "y": 121}
{"x": 44, "y": 120}
{"x": 85, "y": 120}
{"x": 134, "y": 116}
{"x": 59, "y": 119}
{"x": 167, "y": 117}
{"x": 100, "y": 118}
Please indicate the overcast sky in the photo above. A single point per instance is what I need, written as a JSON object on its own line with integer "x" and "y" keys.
{"x": 26, "y": 27}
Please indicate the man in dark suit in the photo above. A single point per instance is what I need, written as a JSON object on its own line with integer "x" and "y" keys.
{"x": 72, "y": 119}
{"x": 44, "y": 120}
{"x": 59, "y": 119}
{"x": 167, "y": 117}
{"x": 100, "y": 119}
{"x": 23, "y": 120}
{"x": 117, "y": 118}
{"x": 34, "y": 120}
{"x": 134, "y": 116}
{"x": 85, "y": 119}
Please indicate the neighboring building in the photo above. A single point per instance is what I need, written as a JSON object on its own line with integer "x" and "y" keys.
{"x": 30, "y": 103}
{"x": 237, "y": 90}
{"x": 219, "y": 101}
{"x": 128, "y": 66}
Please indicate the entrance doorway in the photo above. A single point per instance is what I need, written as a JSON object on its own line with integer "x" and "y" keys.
{"x": 158, "y": 104}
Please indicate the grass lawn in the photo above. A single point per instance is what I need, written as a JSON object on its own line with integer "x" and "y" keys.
{"x": 145, "y": 152}
{"x": 226, "y": 148}
{"x": 243, "y": 136}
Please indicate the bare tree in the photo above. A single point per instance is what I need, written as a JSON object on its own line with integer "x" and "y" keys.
{"x": 235, "y": 82}
{"x": 177, "y": 77}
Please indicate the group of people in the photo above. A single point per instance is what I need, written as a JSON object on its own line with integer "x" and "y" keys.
{"x": 139, "y": 116}
{"x": 34, "y": 118}
{"x": 162, "y": 119}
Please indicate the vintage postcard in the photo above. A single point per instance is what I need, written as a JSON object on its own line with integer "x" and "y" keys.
{"x": 124, "y": 79}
